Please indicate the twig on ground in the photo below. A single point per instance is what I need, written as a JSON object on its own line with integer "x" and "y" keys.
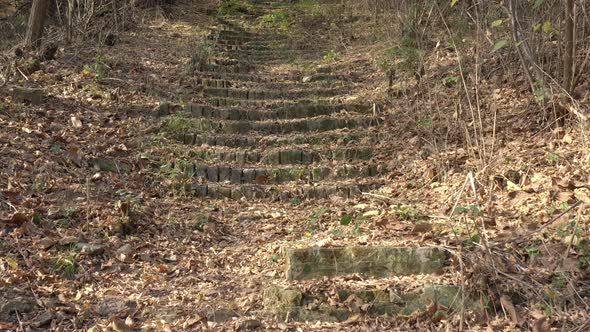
{"x": 526, "y": 237}
{"x": 10, "y": 205}
{"x": 21, "y": 72}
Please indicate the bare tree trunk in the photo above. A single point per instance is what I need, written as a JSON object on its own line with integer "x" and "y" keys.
{"x": 36, "y": 23}
{"x": 568, "y": 57}
{"x": 70, "y": 20}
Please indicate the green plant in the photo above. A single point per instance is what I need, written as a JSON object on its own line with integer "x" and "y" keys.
{"x": 539, "y": 91}
{"x": 532, "y": 251}
{"x": 277, "y": 20}
{"x": 331, "y": 56}
{"x": 182, "y": 121}
{"x": 559, "y": 281}
{"x": 403, "y": 59}
{"x": 233, "y": 7}
{"x": 99, "y": 69}
{"x": 450, "y": 80}
{"x": 546, "y": 308}
{"x": 345, "y": 220}
{"x": 66, "y": 267}
{"x": 552, "y": 158}
{"x": 473, "y": 210}
{"x": 409, "y": 213}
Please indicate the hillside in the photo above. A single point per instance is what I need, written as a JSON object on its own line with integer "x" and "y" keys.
{"x": 291, "y": 166}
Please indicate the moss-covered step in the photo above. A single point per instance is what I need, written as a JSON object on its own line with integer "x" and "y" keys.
{"x": 241, "y": 175}
{"x": 280, "y": 192}
{"x": 252, "y": 44}
{"x": 294, "y": 304}
{"x": 202, "y": 125}
{"x": 235, "y": 69}
{"x": 297, "y": 125}
{"x": 278, "y": 86}
{"x": 260, "y": 55}
{"x": 321, "y": 138}
{"x": 380, "y": 262}
{"x": 283, "y": 102}
{"x": 288, "y": 112}
{"x": 246, "y": 77}
{"x": 238, "y": 93}
{"x": 283, "y": 156}
{"x": 241, "y": 38}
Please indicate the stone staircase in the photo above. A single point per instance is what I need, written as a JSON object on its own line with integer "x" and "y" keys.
{"x": 273, "y": 136}
{"x": 261, "y": 135}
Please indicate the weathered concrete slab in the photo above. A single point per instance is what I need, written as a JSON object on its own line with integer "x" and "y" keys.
{"x": 310, "y": 263}
{"x": 294, "y": 304}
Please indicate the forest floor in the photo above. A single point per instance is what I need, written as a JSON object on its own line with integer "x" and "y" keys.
{"x": 101, "y": 229}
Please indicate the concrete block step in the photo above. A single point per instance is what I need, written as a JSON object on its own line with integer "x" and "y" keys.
{"x": 279, "y": 192}
{"x": 338, "y": 305}
{"x": 242, "y": 174}
{"x": 379, "y": 262}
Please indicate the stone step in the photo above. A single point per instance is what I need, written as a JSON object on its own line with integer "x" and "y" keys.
{"x": 289, "y": 112}
{"x": 291, "y": 156}
{"x": 379, "y": 262}
{"x": 338, "y": 305}
{"x": 323, "y": 138}
{"x": 242, "y": 37}
{"x": 280, "y": 192}
{"x": 261, "y": 54}
{"x": 242, "y": 175}
{"x": 241, "y": 68}
{"x": 254, "y": 43}
{"x": 237, "y": 93}
{"x": 279, "y": 86}
{"x": 280, "y": 102}
{"x": 317, "y": 124}
{"x": 246, "y": 77}
{"x": 223, "y": 48}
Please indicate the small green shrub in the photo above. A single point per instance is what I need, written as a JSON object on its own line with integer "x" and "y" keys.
{"x": 278, "y": 20}
{"x": 66, "y": 267}
{"x": 402, "y": 58}
{"x": 410, "y": 213}
{"x": 233, "y": 7}
{"x": 181, "y": 121}
{"x": 99, "y": 69}
{"x": 332, "y": 56}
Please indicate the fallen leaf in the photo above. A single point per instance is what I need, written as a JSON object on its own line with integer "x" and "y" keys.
{"x": 509, "y": 308}
{"x": 76, "y": 123}
{"x": 17, "y": 219}
{"x": 422, "y": 227}
{"x": 119, "y": 325}
{"x": 541, "y": 325}
{"x": 353, "y": 319}
{"x": 371, "y": 213}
